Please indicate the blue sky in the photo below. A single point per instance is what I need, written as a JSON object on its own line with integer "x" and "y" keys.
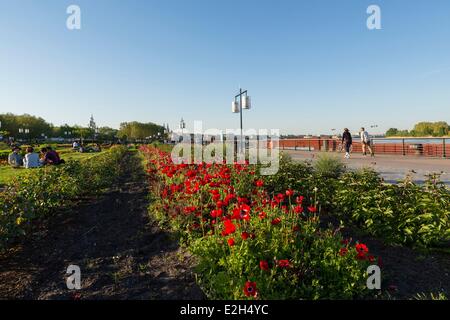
{"x": 309, "y": 65}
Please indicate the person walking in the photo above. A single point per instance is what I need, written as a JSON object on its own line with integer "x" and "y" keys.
{"x": 365, "y": 142}
{"x": 347, "y": 142}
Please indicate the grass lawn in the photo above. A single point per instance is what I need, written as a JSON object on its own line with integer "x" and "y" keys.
{"x": 7, "y": 173}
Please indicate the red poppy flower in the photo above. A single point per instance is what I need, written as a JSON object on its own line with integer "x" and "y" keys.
{"x": 362, "y": 251}
{"x": 312, "y": 209}
{"x": 264, "y": 265}
{"x": 289, "y": 192}
{"x": 229, "y": 228}
{"x": 231, "y": 242}
{"x": 259, "y": 183}
{"x": 216, "y": 213}
{"x": 299, "y": 199}
{"x": 343, "y": 252}
{"x": 262, "y": 215}
{"x": 298, "y": 209}
{"x": 244, "y": 235}
{"x": 250, "y": 289}
{"x": 242, "y": 212}
{"x": 283, "y": 263}
{"x": 276, "y": 221}
{"x": 361, "y": 248}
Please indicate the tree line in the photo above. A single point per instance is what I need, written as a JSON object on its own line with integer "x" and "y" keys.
{"x": 28, "y": 127}
{"x": 422, "y": 129}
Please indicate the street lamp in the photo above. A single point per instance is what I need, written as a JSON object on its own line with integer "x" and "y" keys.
{"x": 241, "y": 101}
{"x": 182, "y": 125}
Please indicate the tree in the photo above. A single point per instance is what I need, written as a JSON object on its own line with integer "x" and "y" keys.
{"x": 107, "y": 133}
{"x": 140, "y": 131}
{"x": 391, "y": 132}
{"x": 423, "y": 129}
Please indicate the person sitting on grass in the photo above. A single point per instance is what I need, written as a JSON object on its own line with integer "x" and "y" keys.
{"x": 31, "y": 159}
{"x": 50, "y": 157}
{"x": 15, "y": 158}
{"x": 97, "y": 148}
{"x": 75, "y": 145}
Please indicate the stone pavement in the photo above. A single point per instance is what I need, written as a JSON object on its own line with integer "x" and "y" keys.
{"x": 391, "y": 167}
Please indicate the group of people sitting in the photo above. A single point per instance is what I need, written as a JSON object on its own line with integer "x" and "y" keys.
{"x": 32, "y": 158}
{"x": 76, "y": 146}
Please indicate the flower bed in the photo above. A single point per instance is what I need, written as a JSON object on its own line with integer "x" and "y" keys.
{"x": 37, "y": 193}
{"x": 250, "y": 245}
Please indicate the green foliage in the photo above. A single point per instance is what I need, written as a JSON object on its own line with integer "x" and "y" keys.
{"x": 431, "y": 296}
{"x": 137, "y": 130}
{"x": 404, "y": 213}
{"x": 329, "y": 166}
{"x": 422, "y": 129}
{"x": 12, "y": 123}
{"x": 37, "y": 193}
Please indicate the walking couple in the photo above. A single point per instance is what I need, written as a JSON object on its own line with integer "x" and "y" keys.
{"x": 365, "y": 142}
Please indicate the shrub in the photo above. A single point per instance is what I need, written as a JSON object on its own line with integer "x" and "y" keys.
{"x": 38, "y": 192}
{"x": 329, "y": 166}
{"x": 404, "y": 213}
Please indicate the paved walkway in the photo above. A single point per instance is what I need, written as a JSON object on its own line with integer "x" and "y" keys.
{"x": 392, "y": 168}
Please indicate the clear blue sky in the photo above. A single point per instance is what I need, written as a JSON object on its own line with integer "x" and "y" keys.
{"x": 309, "y": 65}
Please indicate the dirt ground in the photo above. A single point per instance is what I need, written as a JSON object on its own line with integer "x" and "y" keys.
{"x": 122, "y": 254}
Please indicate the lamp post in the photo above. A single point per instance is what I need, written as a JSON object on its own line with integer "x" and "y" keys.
{"x": 182, "y": 125}
{"x": 241, "y": 101}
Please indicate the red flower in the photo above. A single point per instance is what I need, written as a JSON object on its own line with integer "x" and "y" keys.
{"x": 343, "y": 252}
{"x": 259, "y": 183}
{"x": 276, "y": 221}
{"x": 298, "y": 209}
{"x": 299, "y": 199}
{"x": 289, "y": 192}
{"x": 263, "y": 265}
{"x": 250, "y": 289}
{"x": 262, "y": 215}
{"x": 229, "y": 228}
{"x": 312, "y": 209}
{"x": 362, "y": 248}
{"x": 231, "y": 242}
{"x": 242, "y": 212}
{"x": 362, "y": 251}
{"x": 216, "y": 213}
{"x": 244, "y": 235}
{"x": 283, "y": 263}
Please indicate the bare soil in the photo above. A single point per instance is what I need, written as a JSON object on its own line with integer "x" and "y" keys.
{"x": 121, "y": 252}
